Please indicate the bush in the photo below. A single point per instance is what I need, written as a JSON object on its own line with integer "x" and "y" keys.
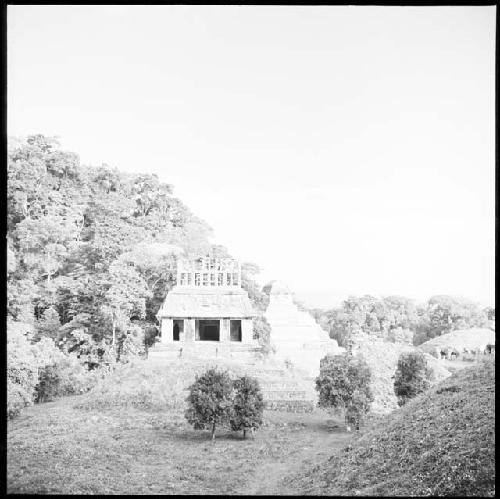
{"x": 210, "y": 400}
{"x": 39, "y": 371}
{"x": 18, "y": 397}
{"x": 344, "y": 385}
{"x": 91, "y": 353}
{"x": 66, "y": 376}
{"x": 131, "y": 344}
{"x": 413, "y": 376}
{"x": 248, "y": 405}
{"x": 22, "y": 368}
{"x": 262, "y": 333}
{"x": 150, "y": 335}
{"x": 48, "y": 325}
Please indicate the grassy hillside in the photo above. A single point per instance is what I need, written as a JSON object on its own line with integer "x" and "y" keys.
{"x": 441, "y": 443}
{"x": 129, "y": 436}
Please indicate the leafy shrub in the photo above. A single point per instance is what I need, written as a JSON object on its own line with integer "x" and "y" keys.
{"x": 344, "y": 385}
{"x": 18, "y": 397}
{"x": 90, "y": 352}
{"x": 413, "y": 376}
{"x": 400, "y": 335}
{"x": 67, "y": 376}
{"x": 452, "y": 388}
{"x": 48, "y": 325}
{"x": 22, "y": 368}
{"x": 150, "y": 335}
{"x": 38, "y": 371}
{"x": 131, "y": 344}
{"x": 248, "y": 405}
{"x": 210, "y": 400}
{"x": 262, "y": 333}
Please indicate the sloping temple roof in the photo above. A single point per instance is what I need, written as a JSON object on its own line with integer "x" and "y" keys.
{"x": 196, "y": 301}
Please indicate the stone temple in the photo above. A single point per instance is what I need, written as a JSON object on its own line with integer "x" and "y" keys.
{"x": 207, "y": 319}
{"x": 208, "y": 310}
{"x": 207, "y": 307}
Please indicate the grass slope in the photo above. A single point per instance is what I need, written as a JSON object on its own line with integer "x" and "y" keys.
{"x": 61, "y": 448}
{"x": 441, "y": 443}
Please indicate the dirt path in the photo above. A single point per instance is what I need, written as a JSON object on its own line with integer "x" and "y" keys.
{"x": 318, "y": 439}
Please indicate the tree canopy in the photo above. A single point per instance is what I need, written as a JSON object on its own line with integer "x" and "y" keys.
{"x": 91, "y": 248}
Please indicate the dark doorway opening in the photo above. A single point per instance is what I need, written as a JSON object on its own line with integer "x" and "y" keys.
{"x": 235, "y": 330}
{"x": 178, "y": 328}
{"x": 208, "y": 330}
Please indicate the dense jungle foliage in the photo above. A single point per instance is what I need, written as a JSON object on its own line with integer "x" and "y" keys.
{"x": 91, "y": 256}
{"x": 400, "y": 319}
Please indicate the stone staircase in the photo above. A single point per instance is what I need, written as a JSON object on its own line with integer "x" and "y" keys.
{"x": 283, "y": 389}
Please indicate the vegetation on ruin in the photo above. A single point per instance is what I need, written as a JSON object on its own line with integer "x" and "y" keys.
{"x": 210, "y": 400}
{"x": 441, "y": 443}
{"x": 343, "y": 384}
{"x": 247, "y": 405}
{"x": 128, "y": 435}
{"x": 413, "y": 376}
{"x": 216, "y": 399}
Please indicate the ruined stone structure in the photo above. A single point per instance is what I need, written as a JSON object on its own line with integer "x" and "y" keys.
{"x": 207, "y": 305}
{"x": 206, "y": 319}
{"x": 295, "y": 335}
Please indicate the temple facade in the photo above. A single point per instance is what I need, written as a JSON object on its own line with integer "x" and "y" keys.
{"x": 208, "y": 304}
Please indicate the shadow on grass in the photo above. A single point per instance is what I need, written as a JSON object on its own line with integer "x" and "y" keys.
{"x": 190, "y": 435}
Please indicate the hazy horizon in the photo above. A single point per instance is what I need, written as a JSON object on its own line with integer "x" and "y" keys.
{"x": 344, "y": 150}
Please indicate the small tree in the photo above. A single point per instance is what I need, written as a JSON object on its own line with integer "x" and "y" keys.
{"x": 344, "y": 385}
{"x": 210, "y": 400}
{"x": 412, "y": 376}
{"x": 48, "y": 325}
{"x": 262, "y": 333}
{"x": 248, "y": 405}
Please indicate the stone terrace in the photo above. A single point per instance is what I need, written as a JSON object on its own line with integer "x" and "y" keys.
{"x": 283, "y": 388}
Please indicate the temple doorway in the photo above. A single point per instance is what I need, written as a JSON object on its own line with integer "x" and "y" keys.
{"x": 178, "y": 328}
{"x": 235, "y": 330}
{"x": 208, "y": 330}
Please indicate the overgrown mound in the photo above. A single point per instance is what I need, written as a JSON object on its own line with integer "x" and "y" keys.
{"x": 440, "y": 443}
{"x": 382, "y": 358}
{"x": 143, "y": 385}
{"x": 148, "y": 385}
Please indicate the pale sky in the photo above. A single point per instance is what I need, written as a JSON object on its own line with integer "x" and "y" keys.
{"x": 345, "y": 150}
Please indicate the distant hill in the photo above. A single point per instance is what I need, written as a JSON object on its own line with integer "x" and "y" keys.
{"x": 461, "y": 339}
{"x": 441, "y": 443}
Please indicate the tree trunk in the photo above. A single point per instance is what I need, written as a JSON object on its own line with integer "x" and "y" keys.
{"x": 244, "y": 434}
{"x": 114, "y": 332}
{"x": 213, "y": 431}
